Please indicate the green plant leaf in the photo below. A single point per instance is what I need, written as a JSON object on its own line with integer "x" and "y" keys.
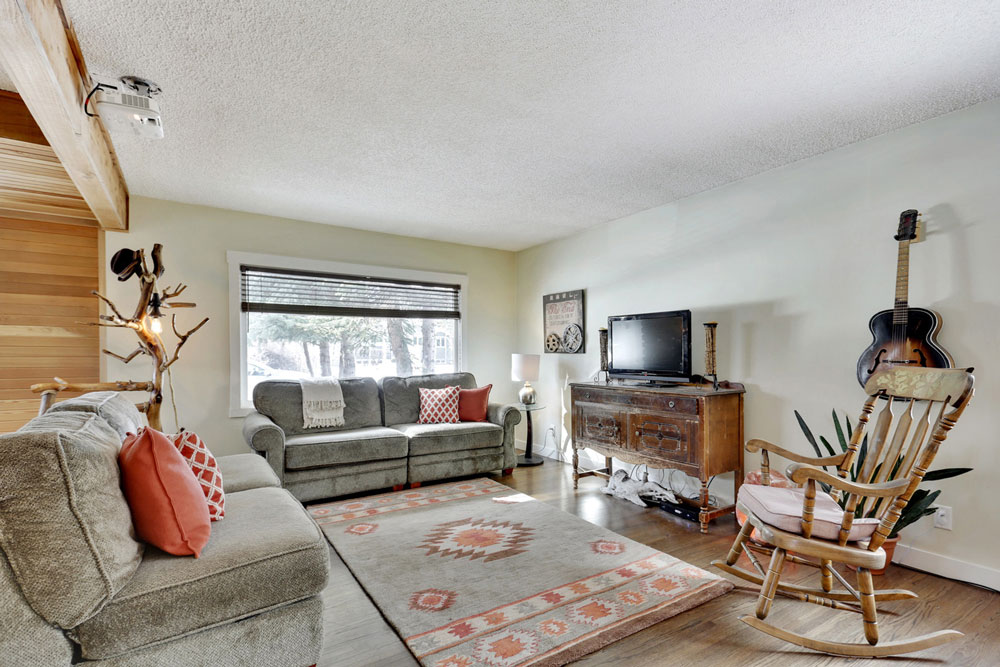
{"x": 918, "y": 507}
{"x": 945, "y": 473}
{"x": 826, "y": 443}
{"x": 840, "y": 432}
{"x": 808, "y": 433}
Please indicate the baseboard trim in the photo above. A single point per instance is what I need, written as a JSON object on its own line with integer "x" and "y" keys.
{"x": 946, "y": 566}
{"x": 551, "y": 452}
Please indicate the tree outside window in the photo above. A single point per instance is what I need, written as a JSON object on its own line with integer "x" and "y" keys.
{"x": 302, "y": 324}
{"x": 285, "y": 346}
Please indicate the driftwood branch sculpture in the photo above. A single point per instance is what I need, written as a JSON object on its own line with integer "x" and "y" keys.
{"x": 145, "y": 322}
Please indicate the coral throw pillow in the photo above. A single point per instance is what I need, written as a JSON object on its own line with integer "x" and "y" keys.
{"x": 205, "y": 469}
{"x": 472, "y": 403}
{"x": 168, "y": 506}
{"x": 438, "y": 406}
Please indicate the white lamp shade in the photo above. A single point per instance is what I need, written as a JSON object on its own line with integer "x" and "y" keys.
{"x": 524, "y": 367}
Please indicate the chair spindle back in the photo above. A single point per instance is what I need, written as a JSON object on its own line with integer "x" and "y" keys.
{"x": 907, "y": 452}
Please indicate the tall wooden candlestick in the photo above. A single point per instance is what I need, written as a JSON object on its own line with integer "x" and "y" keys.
{"x": 710, "y": 368}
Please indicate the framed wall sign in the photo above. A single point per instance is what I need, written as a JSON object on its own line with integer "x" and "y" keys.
{"x": 563, "y": 322}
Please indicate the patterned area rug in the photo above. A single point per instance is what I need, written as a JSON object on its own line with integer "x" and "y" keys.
{"x": 474, "y": 573}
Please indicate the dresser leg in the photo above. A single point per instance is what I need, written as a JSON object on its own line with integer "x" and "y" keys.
{"x": 576, "y": 469}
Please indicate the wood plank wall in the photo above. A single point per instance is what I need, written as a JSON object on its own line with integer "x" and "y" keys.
{"x": 47, "y": 271}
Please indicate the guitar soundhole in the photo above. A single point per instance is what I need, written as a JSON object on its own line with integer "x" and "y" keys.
{"x": 905, "y": 354}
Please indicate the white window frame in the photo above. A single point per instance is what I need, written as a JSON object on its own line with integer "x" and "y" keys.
{"x": 239, "y": 404}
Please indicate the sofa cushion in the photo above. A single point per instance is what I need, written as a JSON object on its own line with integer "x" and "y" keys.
{"x": 438, "y": 406}
{"x": 206, "y": 470}
{"x": 246, "y": 471}
{"x": 64, "y": 522}
{"x": 782, "y": 508}
{"x": 374, "y": 443}
{"x": 439, "y": 438}
{"x": 281, "y": 401}
{"x": 112, "y": 406}
{"x": 267, "y": 552}
{"x": 401, "y": 396}
{"x": 473, "y": 404}
{"x": 25, "y": 637}
{"x": 167, "y": 503}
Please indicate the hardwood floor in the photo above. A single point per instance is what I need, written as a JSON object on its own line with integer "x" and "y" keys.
{"x": 711, "y": 634}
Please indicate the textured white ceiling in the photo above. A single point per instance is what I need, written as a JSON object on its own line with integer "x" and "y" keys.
{"x": 508, "y": 124}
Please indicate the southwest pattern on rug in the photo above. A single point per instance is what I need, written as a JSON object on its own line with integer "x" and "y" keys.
{"x": 474, "y": 574}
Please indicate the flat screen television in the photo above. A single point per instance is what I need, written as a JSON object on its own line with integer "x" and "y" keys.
{"x": 650, "y": 346}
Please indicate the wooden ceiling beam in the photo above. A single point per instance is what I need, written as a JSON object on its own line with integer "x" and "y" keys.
{"x": 41, "y": 56}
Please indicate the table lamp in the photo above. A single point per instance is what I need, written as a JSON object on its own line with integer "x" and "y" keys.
{"x": 524, "y": 368}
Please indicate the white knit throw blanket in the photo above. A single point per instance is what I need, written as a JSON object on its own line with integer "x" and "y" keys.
{"x": 322, "y": 403}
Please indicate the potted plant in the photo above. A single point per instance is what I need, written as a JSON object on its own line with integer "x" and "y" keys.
{"x": 920, "y": 503}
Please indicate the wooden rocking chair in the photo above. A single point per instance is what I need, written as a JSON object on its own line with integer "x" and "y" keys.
{"x": 807, "y": 526}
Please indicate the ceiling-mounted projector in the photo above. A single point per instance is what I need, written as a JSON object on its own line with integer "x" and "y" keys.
{"x": 130, "y": 105}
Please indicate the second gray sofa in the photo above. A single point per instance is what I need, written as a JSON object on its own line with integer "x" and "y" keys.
{"x": 380, "y": 444}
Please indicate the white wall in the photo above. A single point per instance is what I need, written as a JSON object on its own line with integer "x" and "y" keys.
{"x": 196, "y": 239}
{"x": 792, "y": 263}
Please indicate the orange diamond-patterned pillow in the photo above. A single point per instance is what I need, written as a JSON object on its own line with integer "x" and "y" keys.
{"x": 438, "y": 406}
{"x": 205, "y": 469}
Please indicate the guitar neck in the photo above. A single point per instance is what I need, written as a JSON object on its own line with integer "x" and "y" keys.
{"x": 900, "y": 306}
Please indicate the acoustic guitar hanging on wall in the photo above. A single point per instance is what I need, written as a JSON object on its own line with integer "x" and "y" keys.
{"x": 903, "y": 336}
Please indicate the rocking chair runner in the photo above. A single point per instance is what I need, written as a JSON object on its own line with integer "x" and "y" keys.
{"x": 802, "y": 524}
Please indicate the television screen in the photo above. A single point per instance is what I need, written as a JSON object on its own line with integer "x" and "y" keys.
{"x": 652, "y": 344}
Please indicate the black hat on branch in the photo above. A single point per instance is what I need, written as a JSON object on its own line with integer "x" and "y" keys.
{"x": 126, "y": 263}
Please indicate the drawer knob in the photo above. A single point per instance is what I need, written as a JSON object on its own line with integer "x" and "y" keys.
{"x": 671, "y": 404}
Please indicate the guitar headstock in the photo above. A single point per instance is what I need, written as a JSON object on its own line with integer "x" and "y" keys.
{"x": 909, "y": 226}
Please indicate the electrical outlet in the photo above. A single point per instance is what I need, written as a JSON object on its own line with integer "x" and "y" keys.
{"x": 942, "y": 518}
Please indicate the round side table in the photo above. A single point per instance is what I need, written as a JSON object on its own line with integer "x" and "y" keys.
{"x": 529, "y": 458}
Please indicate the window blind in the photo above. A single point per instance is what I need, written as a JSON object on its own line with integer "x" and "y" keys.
{"x": 266, "y": 290}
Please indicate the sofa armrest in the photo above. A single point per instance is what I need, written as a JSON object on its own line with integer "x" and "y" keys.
{"x": 264, "y": 436}
{"x": 507, "y": 416}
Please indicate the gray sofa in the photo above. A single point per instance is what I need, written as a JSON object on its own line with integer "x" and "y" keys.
{"x": 77, "y": 587}
{"x": 380, "y": 445}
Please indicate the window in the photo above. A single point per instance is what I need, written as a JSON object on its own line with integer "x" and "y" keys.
{"x": 299, "y": 323}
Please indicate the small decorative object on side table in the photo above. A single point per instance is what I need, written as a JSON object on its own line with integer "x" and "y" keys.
{"x": 529, "y": 458}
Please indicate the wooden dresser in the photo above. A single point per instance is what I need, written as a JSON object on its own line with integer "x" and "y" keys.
{"x": 692, "y": 428}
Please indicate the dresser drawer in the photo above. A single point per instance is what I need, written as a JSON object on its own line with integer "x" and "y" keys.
{"x": 666, "y": 403}
{"x": 663, "y": 437}
{"x": 643, "y": 400}
{"x": 600, "y": 425}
